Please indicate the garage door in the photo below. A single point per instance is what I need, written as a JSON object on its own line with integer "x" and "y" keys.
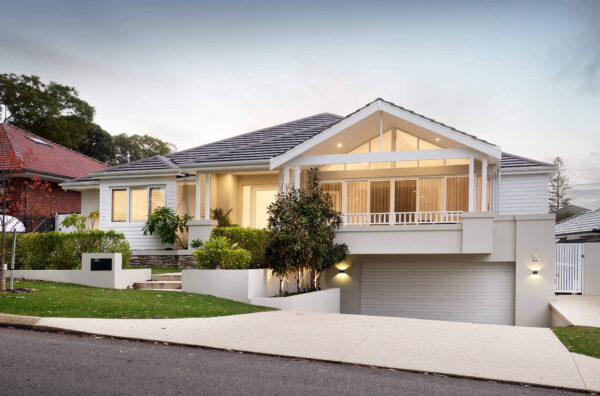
{"x": 464, "y": 292}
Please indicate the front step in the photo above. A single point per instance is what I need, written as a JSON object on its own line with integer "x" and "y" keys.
{"x": 158, "y": 285}
{"x": 173, "y": 276}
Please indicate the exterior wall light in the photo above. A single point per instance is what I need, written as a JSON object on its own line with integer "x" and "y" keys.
{"x": 343, "y": 271}
{"x": 534, "y": 272}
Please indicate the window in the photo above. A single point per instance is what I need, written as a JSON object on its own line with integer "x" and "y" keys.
{"x": 119, "y": 205}
{"x": 136, "y": 202}
{"x": 457, "y": 193}
{"x": 334, "y": 190}
{"x": 430, "y": 195}
{"x": 405, "y": 196}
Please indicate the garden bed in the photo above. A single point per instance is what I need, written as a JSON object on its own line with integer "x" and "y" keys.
{"x": 67, "y": 300}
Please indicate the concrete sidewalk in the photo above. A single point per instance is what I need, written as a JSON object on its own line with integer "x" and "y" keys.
{"x": 505, "y": 353}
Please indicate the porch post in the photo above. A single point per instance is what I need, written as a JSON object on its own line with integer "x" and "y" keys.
{"x": 280, "y": 180}
{"x": 297, "y": 177}
{"x": 198, "y": 198}
{"x": 484, "y": 182}
{"x": 207, "y": 197}
{"x": 286, "y": 178}
{"x": 471, "y": 184}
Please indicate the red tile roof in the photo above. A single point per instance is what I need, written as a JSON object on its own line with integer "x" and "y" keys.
{"x": 47, "y": 158}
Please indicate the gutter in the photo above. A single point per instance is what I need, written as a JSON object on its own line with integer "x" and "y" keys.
{"x": 121, "y": 174}
{"x": 227, "y": 165}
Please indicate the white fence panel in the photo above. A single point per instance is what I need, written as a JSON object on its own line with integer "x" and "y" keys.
{"x": 569, "y": 267}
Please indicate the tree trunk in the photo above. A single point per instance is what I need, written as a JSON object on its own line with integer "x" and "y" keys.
{"x": 2, "y": 258}
{"x": 298, "y": 280}
{"x": 280, "y": 286}
{"x": 318, "y": 280}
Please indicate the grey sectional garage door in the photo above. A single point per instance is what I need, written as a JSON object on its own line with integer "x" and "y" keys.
{"x": 465, "y": 292}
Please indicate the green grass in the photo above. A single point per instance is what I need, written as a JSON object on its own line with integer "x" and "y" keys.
{"x": 583, "y": 340}
{"x": 68, "y": 300}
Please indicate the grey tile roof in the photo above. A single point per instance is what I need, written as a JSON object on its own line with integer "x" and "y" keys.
{"x": 581, "y": 223}
{"x": 263, "y": 144}
{"x": 267, "y": 143}
{"x": 515, "y": 161}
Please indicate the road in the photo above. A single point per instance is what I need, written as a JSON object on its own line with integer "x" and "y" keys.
{"x": 52, "y": 363}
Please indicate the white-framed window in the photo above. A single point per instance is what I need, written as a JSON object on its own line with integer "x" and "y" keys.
{"x": 133, "y": 204}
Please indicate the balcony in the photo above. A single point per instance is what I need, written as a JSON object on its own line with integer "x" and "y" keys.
{"x": 403, "y": 218}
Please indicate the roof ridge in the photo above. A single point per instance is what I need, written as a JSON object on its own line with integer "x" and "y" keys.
{"x": 274, "y": 137}
{"x": 50, "y": 141}
{"x": 249, "y": 133}
{"x": 167, "y": 161}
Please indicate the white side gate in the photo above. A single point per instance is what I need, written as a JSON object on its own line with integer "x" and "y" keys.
{"x": 569, "y": 267}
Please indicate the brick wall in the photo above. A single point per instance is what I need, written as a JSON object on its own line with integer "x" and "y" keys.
{"x": 33, "y": 201}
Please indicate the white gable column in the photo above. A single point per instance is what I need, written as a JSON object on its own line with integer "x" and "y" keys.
{"x": 286, "y": 178}
{"x": 198, "y": 197}
{"x": 484, "y": 182}
{"x": 207, "y": 197}
{"x": 297, "y": 177}
{"x": 471, "y": 184}
{"x": 280, "y": 180}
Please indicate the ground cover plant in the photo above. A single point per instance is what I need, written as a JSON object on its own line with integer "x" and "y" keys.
{"x": 68, "y": 300}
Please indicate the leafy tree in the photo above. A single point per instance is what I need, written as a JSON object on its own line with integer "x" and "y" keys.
{"x": 98, "y": 144}
{"x": 323, "y": 221}
{"x": 135, "y": 147}
{"x": 288, "y": 244}
{"x": 74, "y": 220}
{"x": 52, "y": 110}
{"x": 559, "y": 187}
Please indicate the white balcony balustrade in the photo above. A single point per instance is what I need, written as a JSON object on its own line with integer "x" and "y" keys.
{"x": 403, "y": 218}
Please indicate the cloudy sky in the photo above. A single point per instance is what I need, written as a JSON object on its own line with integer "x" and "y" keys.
{"x": 523, "y": 74}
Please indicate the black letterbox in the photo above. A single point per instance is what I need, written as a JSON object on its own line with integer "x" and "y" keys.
{"x": 101, "y": 264}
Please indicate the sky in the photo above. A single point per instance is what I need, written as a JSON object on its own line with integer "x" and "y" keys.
{"x": 524, "y": 75}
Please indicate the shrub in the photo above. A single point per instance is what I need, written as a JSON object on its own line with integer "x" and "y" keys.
{"x": 220, "y": 253}
{"x": 74, "y": 220}
{"x": 56, "y": 250}
{"x": 222, "y": 217}
{"x": 197, "y": 243}
{"x": 252, "y": 239}
{"x": 168, "y": 225}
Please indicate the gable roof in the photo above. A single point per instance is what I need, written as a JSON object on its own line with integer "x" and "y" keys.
{"x": 263, "y": 145}
{"x": 585, "y": 222}
{"x": 45, "y": 157}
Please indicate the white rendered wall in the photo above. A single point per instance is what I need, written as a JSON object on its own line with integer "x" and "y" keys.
{"x": 523, "y": 194}
{"x": 319, "y": 301}
{"x": 118, "y": 278}
{"x": 591, "y": 268}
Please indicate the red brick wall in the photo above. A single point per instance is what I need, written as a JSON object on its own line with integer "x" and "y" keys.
{"x": 56, "y": 200}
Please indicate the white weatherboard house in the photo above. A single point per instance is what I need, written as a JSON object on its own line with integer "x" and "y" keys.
{"x": 440, "y": 224}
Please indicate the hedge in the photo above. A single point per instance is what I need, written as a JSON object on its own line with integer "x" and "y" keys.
{"x": 253, "y": 240}
{"x": 58, "y": 250}
{"x": 219, "y": 253}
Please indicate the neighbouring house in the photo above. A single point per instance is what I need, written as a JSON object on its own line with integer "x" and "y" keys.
{"x": 440, "y": 224}
{"x": 54, "y": 164}
{"x": 568, "y": 211}
{"x": 578, "y": 253}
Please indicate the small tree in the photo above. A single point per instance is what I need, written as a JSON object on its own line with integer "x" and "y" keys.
{"x": 559, "y": 187}
{"x": 15, "y": 189}
{"x": 168, "y": 225}
{"x": 323, "y": 220}
{"x": 288, "y": 244}
{"x": 222, "y": 217}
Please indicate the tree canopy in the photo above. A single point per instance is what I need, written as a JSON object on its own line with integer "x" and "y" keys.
{"x": 559, "y": 187}
{"x": 55, "y": 112}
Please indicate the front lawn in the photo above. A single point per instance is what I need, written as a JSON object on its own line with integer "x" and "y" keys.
{"x": 583, "y": 340}
{"x": 76, "y": 301}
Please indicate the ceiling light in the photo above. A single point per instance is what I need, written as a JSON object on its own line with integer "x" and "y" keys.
{"x": 437, "y": 139}
{"x": 339, "y": 144}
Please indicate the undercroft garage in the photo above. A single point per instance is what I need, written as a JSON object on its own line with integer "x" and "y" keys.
{"x": 480, "y": 292}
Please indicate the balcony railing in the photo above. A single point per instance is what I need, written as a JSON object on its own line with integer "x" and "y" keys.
{"x": 403, "y": 218}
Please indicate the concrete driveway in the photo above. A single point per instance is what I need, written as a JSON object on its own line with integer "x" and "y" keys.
{"x": 506, "y": 353}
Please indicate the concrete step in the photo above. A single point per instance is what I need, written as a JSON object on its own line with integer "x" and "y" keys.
{"x": 172, "y": 276}
{"x": 157, "y": 285}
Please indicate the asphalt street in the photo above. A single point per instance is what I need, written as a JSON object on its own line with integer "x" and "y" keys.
{"x": 53, "y": 363}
